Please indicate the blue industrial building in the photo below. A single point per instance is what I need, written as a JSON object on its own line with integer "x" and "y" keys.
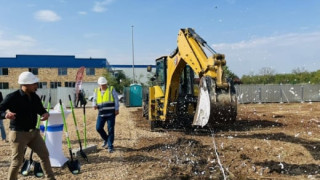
{"x": 53, "y": 70}
{"x": 52, "y": 61}
{"x": 60, "y": 70}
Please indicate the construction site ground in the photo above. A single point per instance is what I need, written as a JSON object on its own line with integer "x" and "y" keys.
{"x": 268, "y": 141}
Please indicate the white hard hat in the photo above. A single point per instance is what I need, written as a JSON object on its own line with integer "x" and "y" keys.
{"x": 27, "y": 78}
{"x": 102, "y": 80}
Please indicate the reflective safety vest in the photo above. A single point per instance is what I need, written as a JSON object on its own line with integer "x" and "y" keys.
{"x": 105, "y": 102}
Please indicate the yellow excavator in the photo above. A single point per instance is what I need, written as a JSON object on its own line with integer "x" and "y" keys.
{"x": 189, "y": 87}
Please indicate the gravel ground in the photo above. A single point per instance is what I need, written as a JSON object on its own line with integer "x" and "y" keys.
{"x": 268, "y": 141}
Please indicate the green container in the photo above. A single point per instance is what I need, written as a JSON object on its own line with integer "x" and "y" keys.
{"x": 133, "y": 95}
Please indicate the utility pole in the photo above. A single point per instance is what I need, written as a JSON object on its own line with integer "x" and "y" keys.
{"x": 133, "y": 57}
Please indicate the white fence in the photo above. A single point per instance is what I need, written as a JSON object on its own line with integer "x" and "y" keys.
{"x": 60, "y": 93}
{"x": 278, "y": 93}
{"x": 246, "y": 93}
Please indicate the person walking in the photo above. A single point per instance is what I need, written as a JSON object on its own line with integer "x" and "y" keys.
{"x": 22, "y": 108}
{"x": 82, "y": 98}
{"x": 105, "y": 100}
{"x": 3, "y": 131}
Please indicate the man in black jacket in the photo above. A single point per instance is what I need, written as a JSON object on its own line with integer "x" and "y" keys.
{"x": 22, "y": 108}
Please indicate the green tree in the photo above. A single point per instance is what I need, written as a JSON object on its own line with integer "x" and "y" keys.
{"x": 119, "y": 81}
{"x": 149, "y": 76}
{"x": 230, "y": 75}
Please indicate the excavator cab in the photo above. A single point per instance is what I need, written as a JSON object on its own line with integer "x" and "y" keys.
{"x": 157, "y": 91}
{"x": 160, "y": 76}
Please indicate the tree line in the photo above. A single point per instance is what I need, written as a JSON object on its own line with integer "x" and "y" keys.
{"x": 268, "y": 76}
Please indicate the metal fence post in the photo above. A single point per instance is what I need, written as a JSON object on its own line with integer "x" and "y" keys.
{"x": 281, "y": 95}
{"x": 260, "y": 95}
{"x": 302, "y": 98}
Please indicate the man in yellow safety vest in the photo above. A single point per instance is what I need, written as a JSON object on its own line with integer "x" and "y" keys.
{"x": 105, "y": 99}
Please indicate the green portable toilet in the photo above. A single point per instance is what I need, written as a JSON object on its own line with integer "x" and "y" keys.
{"x": 133, "y": 95}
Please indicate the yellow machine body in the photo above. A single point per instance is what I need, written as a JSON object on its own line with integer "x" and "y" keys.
{"x": 178, "y": 76}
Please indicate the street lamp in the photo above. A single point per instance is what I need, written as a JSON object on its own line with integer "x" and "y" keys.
{"x": 133, "y": 57}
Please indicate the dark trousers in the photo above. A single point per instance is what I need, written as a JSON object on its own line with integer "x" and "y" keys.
{"x": 101, "y": 121}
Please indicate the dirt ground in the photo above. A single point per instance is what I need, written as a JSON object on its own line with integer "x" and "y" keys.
{"x": 268, "y": 141}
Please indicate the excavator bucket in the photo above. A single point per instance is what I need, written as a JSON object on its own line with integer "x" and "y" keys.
{"x": 214, "y": 106}
{"x": 202, "y": 114}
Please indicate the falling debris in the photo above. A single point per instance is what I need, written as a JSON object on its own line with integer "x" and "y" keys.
{"x": 278, "y": 116}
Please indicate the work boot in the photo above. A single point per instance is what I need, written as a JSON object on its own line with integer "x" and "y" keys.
{"x": 104, "y": 144}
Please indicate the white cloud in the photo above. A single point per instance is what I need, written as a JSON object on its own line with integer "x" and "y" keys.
{"x": 82, "y": 13}
{"x": 16, "y": 45}
{"x": 100, "y": 6}
{"x": 25, "y": 38}
{"x": 46, "y": 16}
{"x": 282, "y": 53}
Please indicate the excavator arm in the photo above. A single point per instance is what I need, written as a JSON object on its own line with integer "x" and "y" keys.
{"x": 191, "y": 51}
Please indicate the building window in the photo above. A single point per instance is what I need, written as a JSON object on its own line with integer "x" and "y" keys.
{"x": 54, "y": 85}
{"x": 70, "y": 84}
{"x": 4, "y": 85}
{"x": 62, "y": 71}
{"x": 3, "y": 71}
{"x": 42, "y": 85}
{"x": 90, "y": 71}
{"x": 34, "y": 71}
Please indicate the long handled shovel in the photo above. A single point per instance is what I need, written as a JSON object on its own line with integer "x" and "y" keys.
{"x": 26, "y": 167}
{"x": 73, "y": 165}
{"x": 85, "y": 126}
{"x": 38, "y": 172}
{"x": 38, "y": 122}
{"x": 78, "y": 135}
{"x": 47, "y": 121}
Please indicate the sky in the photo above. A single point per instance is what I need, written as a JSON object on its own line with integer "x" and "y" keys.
{"x": 283, "y": 35}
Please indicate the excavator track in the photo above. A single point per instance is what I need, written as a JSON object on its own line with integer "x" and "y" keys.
{"x": 215, "y": 106}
